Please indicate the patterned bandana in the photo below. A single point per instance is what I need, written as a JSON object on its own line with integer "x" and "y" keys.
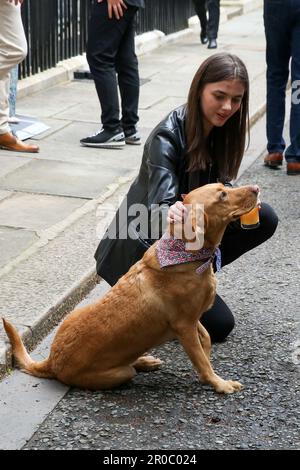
{"x": 171, "y": 251}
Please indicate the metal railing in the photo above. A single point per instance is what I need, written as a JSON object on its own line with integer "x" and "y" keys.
{"x": 167, "y": 16}
{"x": 57, "y": 29}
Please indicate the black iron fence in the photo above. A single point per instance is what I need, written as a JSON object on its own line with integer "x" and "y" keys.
{"x": 57, "y": 29}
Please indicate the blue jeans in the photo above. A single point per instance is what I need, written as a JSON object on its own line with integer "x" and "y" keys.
{"x": 282, "y": 29}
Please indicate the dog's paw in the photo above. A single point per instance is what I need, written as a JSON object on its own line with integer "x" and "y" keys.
{"x": 147, "y": 363}
{"x": 228, "y": 386}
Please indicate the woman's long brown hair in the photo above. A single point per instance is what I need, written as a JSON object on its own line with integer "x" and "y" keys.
{"x": 225, "y": 145}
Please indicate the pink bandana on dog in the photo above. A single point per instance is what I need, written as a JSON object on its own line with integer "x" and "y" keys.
{"x": 171, "y": 251}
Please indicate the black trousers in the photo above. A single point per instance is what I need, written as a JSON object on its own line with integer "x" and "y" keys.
{"x": 111, "y": 54}
{"x": 282, "y": 29}
{"x": 210, "y": 25}
{"x": 219, "y": 320}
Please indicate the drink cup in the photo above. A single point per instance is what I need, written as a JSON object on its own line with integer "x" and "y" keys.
{"x": 251, "y": 219}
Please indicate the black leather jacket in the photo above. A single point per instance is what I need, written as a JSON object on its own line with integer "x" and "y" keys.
{"x": 162, "y": 179}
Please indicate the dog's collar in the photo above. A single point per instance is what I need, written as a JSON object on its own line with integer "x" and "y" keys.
{"x": 171, "y": 251}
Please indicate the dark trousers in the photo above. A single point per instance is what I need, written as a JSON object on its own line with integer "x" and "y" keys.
{"x": 282, "y": 29}
{"x": 210, "y": 25}
{"x": 219, "y": 320}
{"x": 111, "y": 53}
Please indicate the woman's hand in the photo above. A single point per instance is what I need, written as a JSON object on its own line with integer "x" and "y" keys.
{"x": 176, "y": 213}
{"x": 115, "y": 7}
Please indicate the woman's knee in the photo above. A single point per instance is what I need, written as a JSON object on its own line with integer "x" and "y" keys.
{"x": 218, "y": 321}
{"x": 268, "y": 220}
{"x": 220, "y": 332}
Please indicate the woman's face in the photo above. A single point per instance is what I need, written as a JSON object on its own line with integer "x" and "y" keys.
{"x": 220, "y": 100}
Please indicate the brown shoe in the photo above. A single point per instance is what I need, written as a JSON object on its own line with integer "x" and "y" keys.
{"x": 9, "y": 142}
{"x": 293, "y": 168}
{"x": 273, "y": 160}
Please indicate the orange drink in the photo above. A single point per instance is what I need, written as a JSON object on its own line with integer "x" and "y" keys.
{"x": 251, "y": 219}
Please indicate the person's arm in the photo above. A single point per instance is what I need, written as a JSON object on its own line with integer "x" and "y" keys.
{"x": 115, "y": 8}
{"x": 16, "y": 2}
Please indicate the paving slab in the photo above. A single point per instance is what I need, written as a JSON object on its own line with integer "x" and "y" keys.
{"x": 14, "y": 241}
{"x": 5, "y": 194}
{"x": 126, "y": 158}
{"x": 54, "y": 126}
{"x": 81, "y": 112}
{"x": 38, "y": 399}
{"x": 51, "y": 101}
{"x": 40, "y": 281}
{"x": 63, "y": 178}
{"x": 36, "y": 212}
{"x": 153, "y": 96}
{"x": 9, "y": 162}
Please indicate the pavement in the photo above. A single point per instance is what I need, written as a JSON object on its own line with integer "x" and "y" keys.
{"x": 54, "y": 206}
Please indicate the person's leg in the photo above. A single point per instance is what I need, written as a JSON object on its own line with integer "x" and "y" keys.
{"x": 200, "y": 9}
{"x": 278, "y": 52}
{"x": 128, "y": 77}
{"x": 213, "y": 7}
{"x": 237, "y": 241}
{"x": 219, "y": 320}
{"x": 105, "y": 38}
{"x": 13, "y": 88}
{"x": 292, "y": 153}
{"x": 13, "y": 49}
{"x": 103, "y": 41}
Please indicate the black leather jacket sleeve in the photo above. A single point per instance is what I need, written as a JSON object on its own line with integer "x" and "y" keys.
{"x": 162, "y": 162}
{"x": 163, "y": 179}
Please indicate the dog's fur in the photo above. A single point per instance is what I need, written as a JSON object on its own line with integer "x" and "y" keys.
{"x": 103, "y": 345}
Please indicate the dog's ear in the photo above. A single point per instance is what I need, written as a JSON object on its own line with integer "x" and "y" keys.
{"x": 194, "y": 227}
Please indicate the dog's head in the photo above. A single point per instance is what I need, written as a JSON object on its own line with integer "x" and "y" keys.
{"x": 210, "y": 209}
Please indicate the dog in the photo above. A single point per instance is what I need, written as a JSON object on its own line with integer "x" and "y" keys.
{"x": 103, "y": 345}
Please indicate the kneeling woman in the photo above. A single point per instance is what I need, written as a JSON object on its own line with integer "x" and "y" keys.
{"x": 198, "y": 143}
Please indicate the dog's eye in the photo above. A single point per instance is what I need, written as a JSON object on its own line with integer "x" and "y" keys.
{"x": 223, "y": 195}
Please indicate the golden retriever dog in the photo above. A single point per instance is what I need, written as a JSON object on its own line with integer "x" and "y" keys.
{"x": 103, "y": 345}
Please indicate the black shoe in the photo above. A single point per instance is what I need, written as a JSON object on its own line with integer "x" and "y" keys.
{"x": 212, "y": 44}
{"x": 203, "y": 38}
{"x": 105, "y": 139}
{"x": 132, "y": 137}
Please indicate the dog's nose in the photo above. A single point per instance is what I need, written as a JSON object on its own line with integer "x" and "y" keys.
{"x": 255, "y": 189}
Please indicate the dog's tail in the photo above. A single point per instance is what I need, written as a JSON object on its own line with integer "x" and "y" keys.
{"x": 38, "y": 369}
